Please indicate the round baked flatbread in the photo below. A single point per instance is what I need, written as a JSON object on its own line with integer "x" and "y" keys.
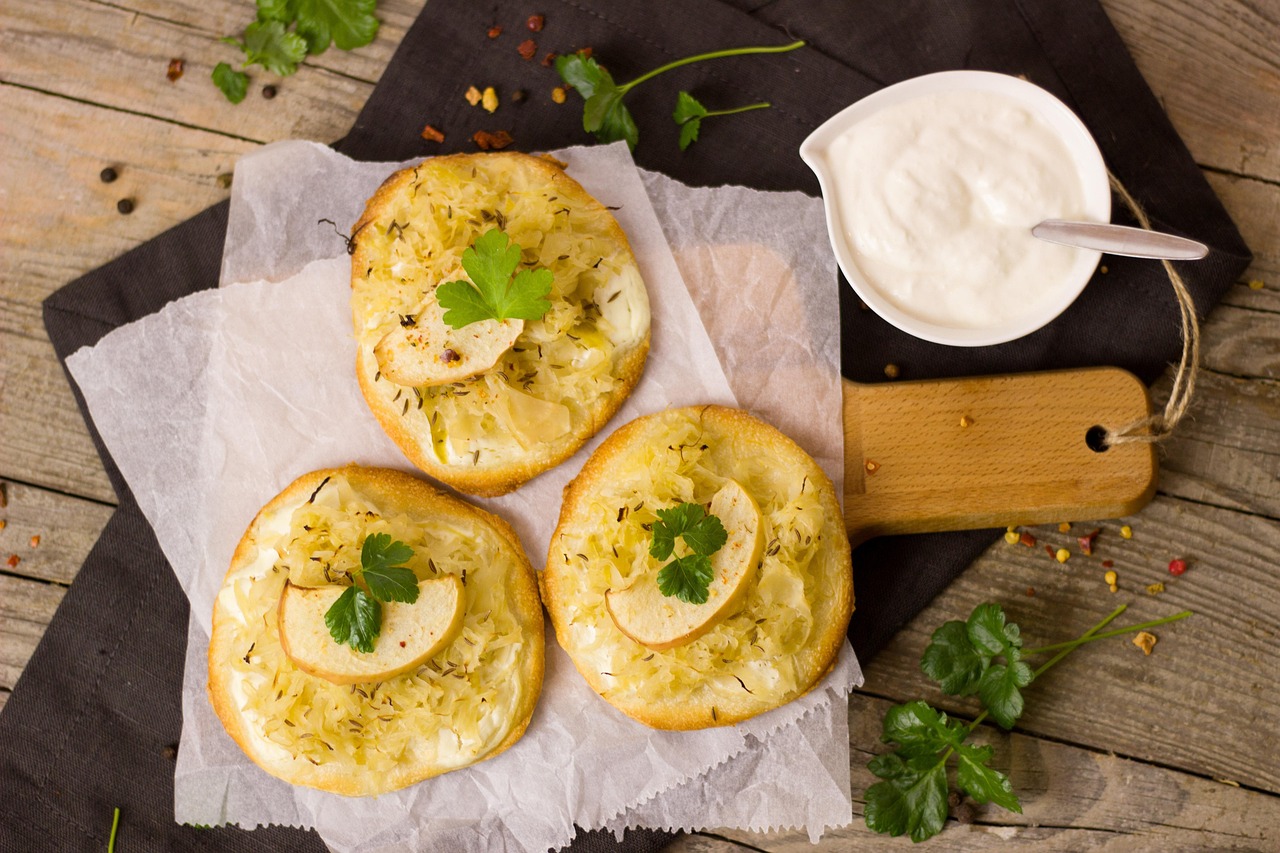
{"x": 796, "y": 607}
{"x": 468, "y": 702}
{"x": 555, "y": 383}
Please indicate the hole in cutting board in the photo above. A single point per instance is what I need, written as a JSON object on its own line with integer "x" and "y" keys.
{"x": 1096, "y": 438}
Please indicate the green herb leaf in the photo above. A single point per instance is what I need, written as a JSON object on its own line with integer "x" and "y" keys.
{"x": 979, "y": 781}
{"x": 990, "y": 635}
{"x": 688, "y": 578}
{"x": 267, "y": 44}
{"x": 1000, "y": 691}
{"x": 355, "y": 619}
{"x": 275, "y": 10}
{"x": 492, "y": 294}
{"x": 391, "y": 584}
{"x": 910, "y": 800}
{"x": 380, "y": 551}
{"x": 952, "y": 660}
{"x": 234, "y": 84}
{"x": 347, "y": 23}
{"x": 584, "y": 74}
{"x": 688, "y": 108}
{"x": 689, "y": 133}
{"x": 919, "y": 729}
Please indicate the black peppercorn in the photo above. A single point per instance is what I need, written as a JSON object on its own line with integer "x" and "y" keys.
{"x": 107, "y": 175}
{"x": 125, "y": 205}
{"x": 269, "y": 92}
{"x": 519, "y": 95}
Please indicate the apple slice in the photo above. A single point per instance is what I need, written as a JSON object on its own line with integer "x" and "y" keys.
{"x": 411, "y": 633}
{"x": 424, "y": 350}
{"x": 662, "y": 622}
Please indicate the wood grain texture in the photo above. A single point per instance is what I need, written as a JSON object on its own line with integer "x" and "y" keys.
{"x": 26, "y": 606}
{"x": 960, "y": 454}
{"x": 68, "y": 527}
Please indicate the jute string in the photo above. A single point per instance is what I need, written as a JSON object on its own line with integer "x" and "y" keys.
{"x": 1159, "y": 426}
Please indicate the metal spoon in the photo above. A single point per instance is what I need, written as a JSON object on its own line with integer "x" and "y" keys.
{"x": 1120, "y": 240}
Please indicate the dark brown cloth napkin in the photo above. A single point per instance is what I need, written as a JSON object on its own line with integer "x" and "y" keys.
{"x": 92, "y": 723}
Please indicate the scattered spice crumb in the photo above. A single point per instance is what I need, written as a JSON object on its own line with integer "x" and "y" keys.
{"x": 1012, "y": 537}
{"x": 1028, "y": 540}
{"x": 1256, "y": 284}
{"x": 584, "y": 52}
{"x": 1064, "y": 527}
{"x": 558, "y": 95}
{"x": 224, "y": 180}
{"x": 1104, "y": 269}
{"x": 432, "y": 134}
{"x": 1086, "y": 541}
{"x": 527, "y": 49}
{"x": 1155, "y": 588}
{"x": 108, "y": 175}
{"x": 1111, "y": 578}
{"x": 892, "y": 371}
{"x": 1146, "y": 641}
{"x": 872, "y": 467}
{"x": 1126, "y": 532}
{"x": 550, "y": 59}
{"x": 492, "y": 141}
{"x": 35, "y": 541}
{"x": 125, "y": 206}
{"x": 13, "y": 561}
{"x": 449, "y": 356}
{"x": 1106, "y": 564}
{"x": 966, "y": 421}
{"x": 1230, "y": 782}
{"x": 473, "y": 96}
{"x": 489, "y": 100}
{"x": 175, "y": 70}
{"x": 3, "y": 523}
{"x": 1062, "y": 555}
{"x": 1177, "y": 567}
{"x": 402, "y": 644}
{"x": 1031, "y": 590}
{"x": 269, "y": 92}
{"x": 519, "y": 96}
{"x": 536, "y": 23}
{"x": 495, "y": 31}
{"x": 966, "y": 813}
{"x": 170, "y": 752}
{"x": 1048, "y": 549}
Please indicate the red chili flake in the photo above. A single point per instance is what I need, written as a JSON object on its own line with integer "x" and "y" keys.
{"x": 13, "y": 561}
{"x": 175, "y": 70}
{"x": 1028, "y": 540}
{"x": 1107, "y": 564}
{"x": 527, "y": 49}
{"x": 492, "y": 141}
{"x": 495, "y": 31}
{"x": 1086, "y": 542}
{"x": 584, "y": 52}
{"x": 550, "y": 59}
{"x": 402, "y": 644}
{"x": 535, "y": 23}
{"x": 1048, "y": 549}
{"x": 1031, "y": 590}
{"x": 431, "y": 134}
{"x": 1177, "y": 567}
{"x": 449, "y": 356}
{"x": 35, "y": 541}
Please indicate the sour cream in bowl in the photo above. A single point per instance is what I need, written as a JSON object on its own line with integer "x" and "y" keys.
{"x": 931, "y": 188}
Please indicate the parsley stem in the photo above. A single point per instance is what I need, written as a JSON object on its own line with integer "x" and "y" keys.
{"x": 115, "y": 824}
{"x": 718, "y": 54}
{"x": 1087, "y": 638}
{"x": 760, "y": 106}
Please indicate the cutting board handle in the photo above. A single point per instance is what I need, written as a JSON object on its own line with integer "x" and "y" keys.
{"x": 957, "y": 454}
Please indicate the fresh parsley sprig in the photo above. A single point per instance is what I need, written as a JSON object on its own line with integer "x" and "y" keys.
{"x": 690, "y": 112}
{"x": 355, "y": 619}
{"x": 604, "y": 114}
{"x": 982, "y": 655}
{"x": 492, "y": 293}
{"x": 316, "y": 24}
{"x": 688, "y": 577}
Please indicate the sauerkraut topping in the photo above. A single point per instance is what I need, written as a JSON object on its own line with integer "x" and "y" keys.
{"x": 544, "y": 388}
{"x": 793, "y": 595}
{"x": 450, "y": 712}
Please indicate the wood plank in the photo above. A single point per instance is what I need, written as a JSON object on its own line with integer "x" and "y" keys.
{"x": 68, "y": 528}
{"x": 1200, "y": 703}
{"x": 48, "y": 46}
{"x": 1241, "y": 342}
{"x": 1255, "y": 207}
{"x": 4, "y": 697}
{"x": 26, "y": 606}
{"x": 1073, "y": 799}
{"x": 1216, "y": 70}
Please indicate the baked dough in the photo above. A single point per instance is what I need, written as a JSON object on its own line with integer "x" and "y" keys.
{"x": 787, "y": 633}
{"x": 566, "y": 373}
{"x": 468, "y": 702}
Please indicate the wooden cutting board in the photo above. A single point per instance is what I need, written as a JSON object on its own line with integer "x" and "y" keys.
{"x": 956, "y": 454}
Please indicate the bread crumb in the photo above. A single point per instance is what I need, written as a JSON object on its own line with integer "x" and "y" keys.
{"x": 1145, "y": 641}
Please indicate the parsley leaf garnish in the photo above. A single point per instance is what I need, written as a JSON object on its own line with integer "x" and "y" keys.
{"x": 266, "y": 43}
{"x": 604, "y": 114}
{"x": 689, "y": 577}
{"x": 690, "y": 113}
{"x": 492, "y": 293}
{"x": 234, "y": 84}
{"x": 964, "y": 658}
{"x": 355, "y": 619}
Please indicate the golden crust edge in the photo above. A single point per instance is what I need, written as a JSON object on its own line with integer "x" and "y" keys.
{"x": 827, "y": 647}
{"x": 529, "y": 609}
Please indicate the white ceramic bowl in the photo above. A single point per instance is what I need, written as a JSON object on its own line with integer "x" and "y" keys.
{"x": 1085, "y": 156}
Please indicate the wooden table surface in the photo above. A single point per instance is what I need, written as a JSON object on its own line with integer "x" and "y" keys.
{"x": 1176, "y": 751}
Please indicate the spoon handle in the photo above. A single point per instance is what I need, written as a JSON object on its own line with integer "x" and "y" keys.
{"x": 1120, "y": 240}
